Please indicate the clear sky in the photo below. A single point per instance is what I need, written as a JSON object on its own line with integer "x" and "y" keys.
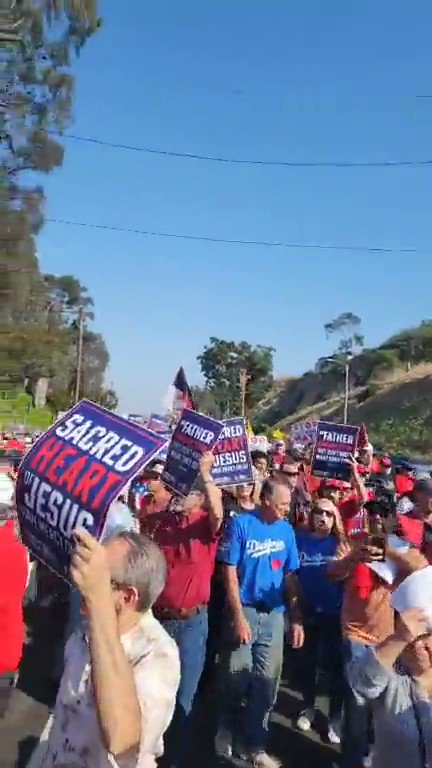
{"x": 281, "y": 80}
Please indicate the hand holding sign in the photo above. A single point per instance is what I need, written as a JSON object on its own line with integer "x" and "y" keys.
{"x": 205, "y": 466}
{"x": 89, "y": 567}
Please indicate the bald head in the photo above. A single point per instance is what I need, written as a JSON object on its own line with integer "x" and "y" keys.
{"x": 275, "y": 500}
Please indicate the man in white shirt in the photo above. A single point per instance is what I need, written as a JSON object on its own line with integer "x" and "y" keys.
{"x": 119, "y": 685}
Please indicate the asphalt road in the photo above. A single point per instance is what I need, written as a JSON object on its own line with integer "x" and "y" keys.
{"x": 28, "y": 711}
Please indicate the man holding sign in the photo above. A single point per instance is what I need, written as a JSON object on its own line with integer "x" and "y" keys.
{"x": 118, "y": 689}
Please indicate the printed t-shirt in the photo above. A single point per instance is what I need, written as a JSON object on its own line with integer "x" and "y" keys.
{"x": 264, "y": 554}
{"x": 315, "y": 553}
{"x": 189, "y": 546}
{"x": 352, "y": 515}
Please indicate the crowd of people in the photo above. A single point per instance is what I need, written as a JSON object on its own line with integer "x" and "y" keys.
{"x": 217, "y": 589}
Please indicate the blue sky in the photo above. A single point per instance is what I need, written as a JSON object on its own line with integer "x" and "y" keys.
{"x": 279, "y": 81}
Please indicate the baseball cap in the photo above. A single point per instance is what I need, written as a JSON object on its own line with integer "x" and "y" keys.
{"x": 335, "y": 484}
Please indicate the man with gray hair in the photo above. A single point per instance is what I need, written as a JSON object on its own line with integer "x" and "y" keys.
{"x": 259, "y": 558}
{"x": 121, "y": 676}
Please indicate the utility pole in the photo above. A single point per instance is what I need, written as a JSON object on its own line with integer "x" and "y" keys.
{"x": 346, "y": 397}
{"x": 243, "y": 378}
{"x": 345, "y": 364}
{"x": 79, "y": 355}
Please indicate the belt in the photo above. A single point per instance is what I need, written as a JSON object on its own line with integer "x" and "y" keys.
{"x": 260, "y": 607}
{"x": 180, "y": 614}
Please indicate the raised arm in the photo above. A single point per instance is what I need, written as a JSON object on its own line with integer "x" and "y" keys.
{"x": 115, "y": 693}
{"x": 212, "y": 492}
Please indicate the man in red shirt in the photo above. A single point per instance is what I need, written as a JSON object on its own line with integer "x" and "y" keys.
{"x": 404, "y": 480}
{"x": 14, "y": 573}
{"x": 187, "y": 531}
{"x": 416, "y": 526}
{"x": 158, "y": 496}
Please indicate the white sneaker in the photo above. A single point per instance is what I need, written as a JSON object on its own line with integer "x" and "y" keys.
{"x": 223, "y": 743}
{"x": 263, "y": 760}
{"x": 332, "y": 736}
{"x": 368, "y": 760}
{"x": 305, "y": 720}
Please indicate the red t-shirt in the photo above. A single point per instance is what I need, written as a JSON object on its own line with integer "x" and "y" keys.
{"x": 189, "y": 545}
{"x": 353, "y": 517}
{"x": 14, "y": 568}
{"x": 15, "y": 445}
{"x": 403, "y": 484}
{"x": 375, "y": 466}
{"x": 418, "y": 533}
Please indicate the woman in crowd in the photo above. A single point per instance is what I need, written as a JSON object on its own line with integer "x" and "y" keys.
{"x": 321, "y": 611}
{"x": 241, "y": 498}
{"x": 396, "y": 676}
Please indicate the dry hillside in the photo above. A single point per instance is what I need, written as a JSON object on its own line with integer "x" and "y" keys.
{"x": 396, "y": 406}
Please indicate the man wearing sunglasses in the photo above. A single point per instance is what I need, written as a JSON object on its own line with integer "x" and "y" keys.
{"x": 289, "y": 474}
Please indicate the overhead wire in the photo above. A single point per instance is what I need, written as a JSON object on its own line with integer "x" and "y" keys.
{"x": 230, "y": 241}
{"x": 248, "y": 161}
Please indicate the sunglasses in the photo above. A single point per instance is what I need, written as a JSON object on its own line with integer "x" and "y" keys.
{"x": 292, "y": 473}
{"x": 326, "y": 512}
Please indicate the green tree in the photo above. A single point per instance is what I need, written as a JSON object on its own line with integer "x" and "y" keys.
{"x": 205, "y": 401}
{"x": 221, "y": 363}
{"x": 346, "y": 327}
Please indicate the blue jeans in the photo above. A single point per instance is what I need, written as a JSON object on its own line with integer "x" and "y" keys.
{"x": 355, "y": 731}
{"x": 191, "y": 638}
{"x": 250, "y": 680}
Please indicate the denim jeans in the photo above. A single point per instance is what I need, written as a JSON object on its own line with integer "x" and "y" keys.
{"x": 250, "y": 680}
{"x": 191, "y": 638}
{"x": 355, "y": 731}
{"x": 323, "y": 648}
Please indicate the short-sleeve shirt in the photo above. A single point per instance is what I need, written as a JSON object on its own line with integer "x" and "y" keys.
{"x": 189, "y": 545}
{"x": 321, "y": 594}
{"x": 75, "y": 738}
{"x": 264, "y": 553}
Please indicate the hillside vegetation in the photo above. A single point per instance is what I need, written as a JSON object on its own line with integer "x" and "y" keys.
{"x": 390, "y": 390}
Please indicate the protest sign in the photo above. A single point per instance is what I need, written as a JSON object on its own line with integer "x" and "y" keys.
{"x": 335, "y": 443}
{"x": 194, "y": 435}
{"x": 72, "y": 474}
{"x": 159, "y": 424}
{"x": 303, "y": 433}
{"x": 233, "y": 464}
{"x": 258, "y": 443}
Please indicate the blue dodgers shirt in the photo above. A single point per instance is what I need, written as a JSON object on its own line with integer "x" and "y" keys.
{"x": 264, "y": 554}
{"x": 320, "y": 594}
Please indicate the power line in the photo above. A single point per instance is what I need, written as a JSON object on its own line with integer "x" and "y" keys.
{"x": 231, "y": 241}
{"x": 240, "y": 161}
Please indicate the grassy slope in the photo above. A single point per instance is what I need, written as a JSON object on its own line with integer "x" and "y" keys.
{"x": 16, "y": 408}
{"x": 399, "y": 415}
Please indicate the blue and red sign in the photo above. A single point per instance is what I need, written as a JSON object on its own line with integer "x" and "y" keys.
{"x": 335, "y": 443}
{"x": 194, "y": 435}
{"x": 233, "y": 465}
{"x": 71, "y": 476}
